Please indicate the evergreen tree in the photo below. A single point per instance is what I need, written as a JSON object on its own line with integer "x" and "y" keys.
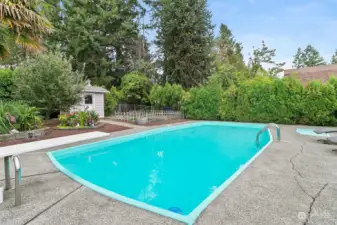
{"x": 184, "y": 39}
{"x": 227, "y": 49}
{"x": 307, "y": 58}
{"x": 311, "y": 57}
{"x": 99, "y": 35}
{"x": 298, "y": 59}
{"x": 334, "y": 58}
{"x": 262, "y": 56}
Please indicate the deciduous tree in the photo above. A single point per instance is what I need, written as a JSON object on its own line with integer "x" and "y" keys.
{"x": 48, "y": 81}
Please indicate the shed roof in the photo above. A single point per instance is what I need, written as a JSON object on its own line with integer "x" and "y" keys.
{"x": 95, "y": 89}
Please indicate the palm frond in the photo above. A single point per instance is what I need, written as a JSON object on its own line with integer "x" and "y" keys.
{"x": 23, "y": 24}
{"x": 20, "y": 14}
{"x": 29, "y": 43}
{"x": 4, "y": 45}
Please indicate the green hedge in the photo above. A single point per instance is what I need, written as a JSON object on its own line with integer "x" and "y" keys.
{"x": 285, "y": 101}
{"x": 135, "y": 88}
{"x": 319, "y": 104}
{"x": 202, "y": 103}
{"x": 111, "y": 100}
{"x": 264, "y": 100}
{"x": 166, "y": 96}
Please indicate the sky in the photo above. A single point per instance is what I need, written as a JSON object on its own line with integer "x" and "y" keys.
{"x": 283, "y": 24}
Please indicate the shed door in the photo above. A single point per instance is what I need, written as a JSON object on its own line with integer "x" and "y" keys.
{"x": 89, "y": 102}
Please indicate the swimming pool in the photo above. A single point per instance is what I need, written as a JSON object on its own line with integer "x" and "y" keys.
{"x": 174, "y": 171}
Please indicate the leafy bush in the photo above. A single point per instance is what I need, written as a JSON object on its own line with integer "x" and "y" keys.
{"x": 6, "y": 84}
{"x": 166, "y": 96}
{"x": 111, "y": 100}
{"x": 265, "y": 99}
{"x": 48, "y": 82}
{"x": 78, "y": 119}
{"x": 202, "y": 103}
{"x": 135, "y": 88}
{"x": 225, "y": 76}
{"x": 228, "y": 104}
{"x": 93, "y": 116}
{"x": 18, "y": 115}
{"x": 319, "y": 104}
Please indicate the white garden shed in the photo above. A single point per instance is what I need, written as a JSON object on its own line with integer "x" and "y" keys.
{"x": 92, "y": 99}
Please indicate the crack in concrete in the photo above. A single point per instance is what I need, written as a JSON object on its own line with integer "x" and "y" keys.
{"x": 313, "y": 198}
{"x": 293, "y": 164}
{"x": 58, "y": 201}
{"x": 313, "y": 202}
{"x": 300, "y": 186}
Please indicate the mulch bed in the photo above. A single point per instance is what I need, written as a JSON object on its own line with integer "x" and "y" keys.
{"x": 108, "y": 128}
{"x": 54, "y": 133}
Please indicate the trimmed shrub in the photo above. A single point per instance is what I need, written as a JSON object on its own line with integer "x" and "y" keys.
{"x": 157, "y": 96}
{"x": 202, "y": 103}
{"x": 135, "y": 88}
{"x": 227, "y": 110}
{"x": 166, "y": 96}
{"x": 319, "y": 104}
{"x": 263, "y": 99}
{"x": 111, "y": 100}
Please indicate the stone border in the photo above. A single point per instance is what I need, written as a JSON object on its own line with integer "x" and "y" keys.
{"x": 24, "y": 135}
{"x": 99, "y": 125}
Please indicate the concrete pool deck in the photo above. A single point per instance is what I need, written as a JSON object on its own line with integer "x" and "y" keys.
{"x": 291, "y": 182}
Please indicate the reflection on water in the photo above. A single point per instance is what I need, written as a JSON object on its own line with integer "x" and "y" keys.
{"x": 150, "y": 192}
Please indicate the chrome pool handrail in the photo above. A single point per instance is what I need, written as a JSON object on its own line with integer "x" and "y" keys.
{"x": 278, "y": 132}
{"x": 17, "y": 167}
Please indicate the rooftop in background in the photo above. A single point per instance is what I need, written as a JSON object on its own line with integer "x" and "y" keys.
{"x": 308, "y": 74}
{"x": 95, "y": 89}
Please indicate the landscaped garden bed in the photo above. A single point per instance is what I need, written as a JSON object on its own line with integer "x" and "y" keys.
{"x": 79, "y": 120}
{"x": 98, "y": 125}
{"x": 54, "y": 132}
{"x": 19, "y": 121}
{"x": 25, "y": 134}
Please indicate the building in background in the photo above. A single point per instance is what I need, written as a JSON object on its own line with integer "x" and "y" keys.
{"x": 321, "y": 73}
{"x": 92, "y": 99}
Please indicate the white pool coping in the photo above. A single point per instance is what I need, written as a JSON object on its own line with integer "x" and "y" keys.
{"x": 49, "y": 143}
{"x": 188, "y": 219}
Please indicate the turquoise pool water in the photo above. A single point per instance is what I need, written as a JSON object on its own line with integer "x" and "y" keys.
{"x": 174, "y": 171}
